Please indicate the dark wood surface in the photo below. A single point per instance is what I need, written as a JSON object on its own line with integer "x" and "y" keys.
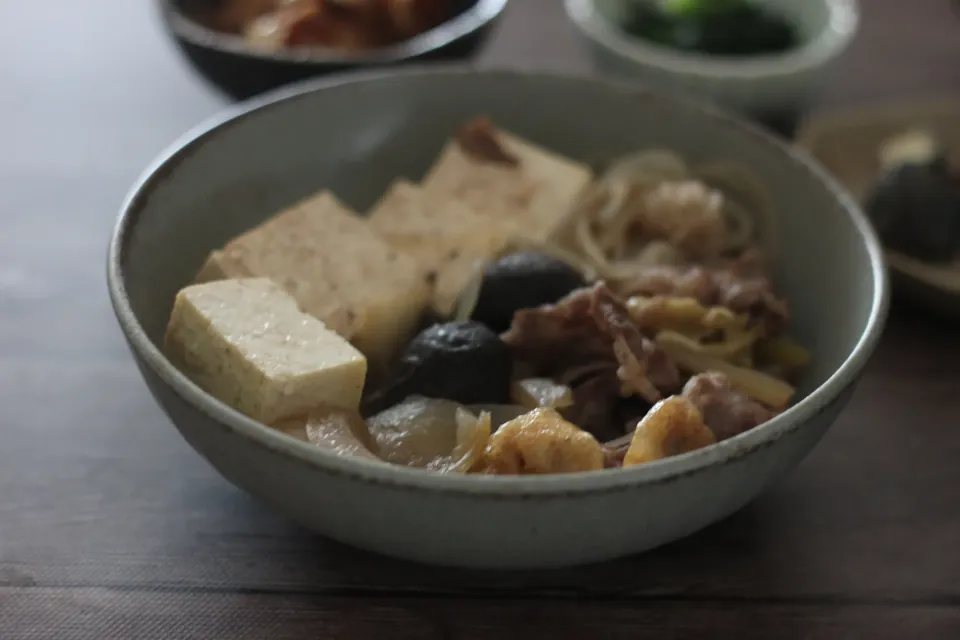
{"x": 111, "y": 527}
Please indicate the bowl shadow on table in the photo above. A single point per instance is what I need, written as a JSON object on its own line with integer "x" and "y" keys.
{"x": 242, "y": 72}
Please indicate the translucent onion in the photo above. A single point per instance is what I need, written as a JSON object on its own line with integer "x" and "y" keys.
{"x": 534, "y": 393}
{"x": 500, "y": 414}
{"x": 689, "y": 356}
{"x": 341, "y": 431}
{"x": 428, "y": 433}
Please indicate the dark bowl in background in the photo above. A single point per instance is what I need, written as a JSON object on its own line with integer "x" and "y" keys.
{"x": 242, "y": 71}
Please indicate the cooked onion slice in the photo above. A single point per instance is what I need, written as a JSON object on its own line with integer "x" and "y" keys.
{"x": 342, "y": 431}
{"x": 472, "y": 435}
{"x": 427, "y": 433}
{"x": 689, "y": 356}
{"x": 533, "y": 393}
{"x": 499, "y": 413}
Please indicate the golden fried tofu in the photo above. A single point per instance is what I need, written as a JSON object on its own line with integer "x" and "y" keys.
{"x": 673, "y": 426}
{"x": 541, "y": 441}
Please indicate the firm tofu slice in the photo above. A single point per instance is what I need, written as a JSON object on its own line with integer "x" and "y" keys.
{"x": 507, "y": 178}
{"x": 248, "y": 344}
{"x": 338, "y": 269}
{"x": 218, "y": 267}
{"x": 447, "y": 238}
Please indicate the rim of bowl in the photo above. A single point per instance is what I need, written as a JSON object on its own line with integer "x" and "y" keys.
{"x": 479, "y": 15}
{"x": 828, "y": 44}
{"x": 501, "y": 487}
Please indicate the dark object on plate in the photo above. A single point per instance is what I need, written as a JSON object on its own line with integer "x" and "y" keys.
{"x": 522, "y": 280}
{"x": 712, "y": 27}
{"x": 460, "y": 361}
{"x": 243, "y": 71}
{"x": 857, "y": 145}
{"x": 915, "y": 208}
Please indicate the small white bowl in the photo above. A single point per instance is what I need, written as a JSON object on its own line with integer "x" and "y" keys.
{"x": 763, "y": 84}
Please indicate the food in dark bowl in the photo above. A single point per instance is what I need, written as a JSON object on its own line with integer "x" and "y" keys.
{"x": 712, "y": 27}
{"x": 348, "y": 25}
{"x": 246, "y": 47}
{"x": 600, "y": 322}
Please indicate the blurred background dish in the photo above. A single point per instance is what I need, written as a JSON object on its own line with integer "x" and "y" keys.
{"x": 246, "y": 47}
{"x": 765, "y": 58}
{"x": 721, "y": 28}
{"x": 902, "y": 162}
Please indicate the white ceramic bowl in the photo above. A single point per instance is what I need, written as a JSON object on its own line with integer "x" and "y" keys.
{"x": 355, "y": 135}
{"x": 767, "y": 84}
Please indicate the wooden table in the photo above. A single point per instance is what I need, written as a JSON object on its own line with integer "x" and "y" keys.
{"x": 111, "y": 527}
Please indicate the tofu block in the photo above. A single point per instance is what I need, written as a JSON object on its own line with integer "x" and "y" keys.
{"x": 532, "y": 194}
{"x": 248, "y": 344}
{"x": 338, "y": 269}
{"x": 218, "y": 267}
{"x": 447, "y": 238}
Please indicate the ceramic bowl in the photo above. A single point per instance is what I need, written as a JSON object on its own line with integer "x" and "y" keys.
{"x": 241, "y": 71}
{"x": 759, "y": 85}
{"x": 356, "y": 134}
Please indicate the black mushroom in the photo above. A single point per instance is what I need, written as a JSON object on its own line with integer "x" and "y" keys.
{"x": 522, "y": 280}
{"x": 460, "y": 361}
{"x": 915, "y": 207}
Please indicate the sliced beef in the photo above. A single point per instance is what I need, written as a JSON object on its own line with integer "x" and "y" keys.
{"x": 613, "y": 455}
{"x": 725, "y": 410}
{"x": 592, "y": 325}
{"x": 588, "y": 342}
{"x": 645, "y": 370}
{"x": 479, "y": 140}
{"x": 595, "y": 401}
{"x": 559, "y": 338}
{"x": 739, "y": 286}
{"x": 669, "y": 280}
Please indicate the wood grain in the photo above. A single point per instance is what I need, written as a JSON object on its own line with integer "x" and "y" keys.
{"x": 111, "y": 527}
{"x": 93, "y": 614}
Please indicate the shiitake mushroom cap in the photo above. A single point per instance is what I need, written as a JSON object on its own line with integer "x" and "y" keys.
{"x": 522, "y": 280}
{"x": 464, "y": 362}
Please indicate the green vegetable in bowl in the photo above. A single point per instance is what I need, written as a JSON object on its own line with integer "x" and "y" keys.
{"x": 693, "y": 8}
{"x": 712, "y": 27}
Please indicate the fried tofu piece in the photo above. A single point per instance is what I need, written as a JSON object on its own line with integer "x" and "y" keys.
{"x": 671, "y": 427}
{"x": 338, "y": 269}
{"x": 447, "y": 238}
{"x": 507, "y": 178}
{"x": 248, "y": 344}
{"x": 539, "y": 442}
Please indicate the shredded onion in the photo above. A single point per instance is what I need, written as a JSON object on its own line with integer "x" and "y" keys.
{"x": 601, "y": 229}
